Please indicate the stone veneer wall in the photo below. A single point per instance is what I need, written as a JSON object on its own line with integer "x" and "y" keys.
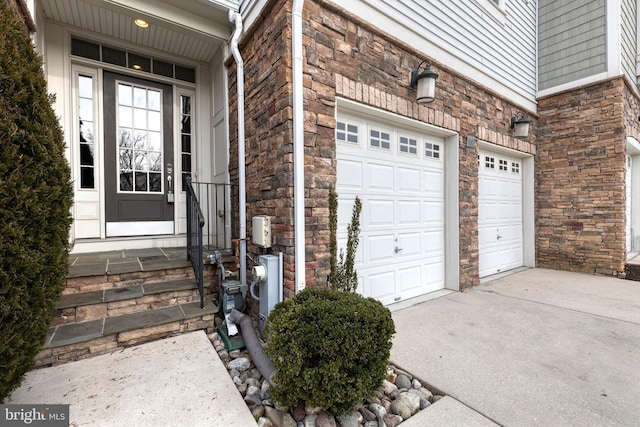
{"x": 349, "y": 58}
{"x": 580, "y": 179}
{"x": 266, "y": 51}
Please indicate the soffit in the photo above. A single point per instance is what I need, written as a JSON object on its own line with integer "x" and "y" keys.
{"x": 188, "y": 28}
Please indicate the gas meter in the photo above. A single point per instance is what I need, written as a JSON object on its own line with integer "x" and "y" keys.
{"x": 232, "y": 294}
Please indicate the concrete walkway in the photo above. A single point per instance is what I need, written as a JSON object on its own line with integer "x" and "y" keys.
{"x": 536, "y": 348}
{"x": 178, "y": 381}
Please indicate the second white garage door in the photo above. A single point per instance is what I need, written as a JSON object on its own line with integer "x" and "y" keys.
{"x": 399, "y": 176}
{"x": 500, "y": 216}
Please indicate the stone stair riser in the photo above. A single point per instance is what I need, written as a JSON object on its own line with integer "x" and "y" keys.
{"x": 116, "y": 308}
{"x": 119, "y": 341}
{"x": 102, "y": 313}
{"x": 103, "y": 282}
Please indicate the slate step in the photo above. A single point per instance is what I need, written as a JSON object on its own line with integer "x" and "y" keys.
{"x": 119, "y": 294}
{"x": 114, "y": 300}
{"x": 73, "y": 333}
{"x": 91, "y": 305}
{"x": 96, "y": 267}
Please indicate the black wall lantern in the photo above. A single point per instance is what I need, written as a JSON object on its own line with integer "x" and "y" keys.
{"x": 521, "y": 126}
{"x": 425, "y": 83}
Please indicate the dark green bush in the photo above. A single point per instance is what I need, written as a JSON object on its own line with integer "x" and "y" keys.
{"x": 330, "y": 348}
{"x": 35, "y": 199}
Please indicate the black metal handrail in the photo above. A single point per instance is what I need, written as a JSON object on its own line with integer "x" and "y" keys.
{"x": 195, "y": 225}
{"x": 214, "y": 199}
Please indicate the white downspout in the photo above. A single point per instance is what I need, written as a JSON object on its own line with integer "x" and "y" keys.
{"x": 235, "y": 17}
{"x": 298, "y": 145}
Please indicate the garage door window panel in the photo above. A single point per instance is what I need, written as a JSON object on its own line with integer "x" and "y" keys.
{"x": 431, "y": 150}
{"x": 380, "y": 139}
{"x": 347, "y": 132}
{"x": 489, "y": 162}
{"x": 408, "y": 146}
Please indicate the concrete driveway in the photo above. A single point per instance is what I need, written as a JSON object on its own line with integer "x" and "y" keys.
{"x": 535, "y": 348}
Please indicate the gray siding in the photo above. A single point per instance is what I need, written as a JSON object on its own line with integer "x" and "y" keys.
{"x": 572, "y": 40}
{"x": 629, "y": 38}
{"x": 502, "y": 51}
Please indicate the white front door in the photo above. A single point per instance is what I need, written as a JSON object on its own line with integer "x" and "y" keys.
{"x": 500, "y": 224}
{"x": 399, "y": 176}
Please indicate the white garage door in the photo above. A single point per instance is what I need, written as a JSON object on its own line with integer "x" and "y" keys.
{"x": 399, "y": 176}
{"x": 629, "y": 192}
{"x": 500, "y": 213}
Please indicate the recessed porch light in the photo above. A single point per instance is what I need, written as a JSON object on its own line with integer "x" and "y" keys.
{"x": 141, "y": 23}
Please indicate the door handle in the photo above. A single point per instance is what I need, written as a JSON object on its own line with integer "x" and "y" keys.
{"x": 397, "y": 249}
{"x": 170, "y": 197}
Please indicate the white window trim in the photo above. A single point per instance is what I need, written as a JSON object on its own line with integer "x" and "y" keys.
{"x": 78, "y": 70}
{"x": 496, "y": 11}
{"x": 178, "y": 137}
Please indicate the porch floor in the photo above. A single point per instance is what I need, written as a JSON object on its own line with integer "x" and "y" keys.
{"x": 126, "y": 261}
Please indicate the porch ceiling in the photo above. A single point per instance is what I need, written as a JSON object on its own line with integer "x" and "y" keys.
{"x": 193, "y": 29}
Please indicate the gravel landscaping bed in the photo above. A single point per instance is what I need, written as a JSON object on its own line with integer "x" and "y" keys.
{"x": 400, "y": 397}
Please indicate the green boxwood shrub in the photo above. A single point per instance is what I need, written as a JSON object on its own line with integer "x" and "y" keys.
{"x": 329, "y": 348}
{"x": 35, "y": 202}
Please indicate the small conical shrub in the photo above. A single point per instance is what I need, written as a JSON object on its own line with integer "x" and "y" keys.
{"x": 35, "y": 202}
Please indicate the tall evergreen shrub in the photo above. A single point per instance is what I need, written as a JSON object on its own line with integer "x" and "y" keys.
{"x": 35, "y": 202}
{"x": 343, "y": 275}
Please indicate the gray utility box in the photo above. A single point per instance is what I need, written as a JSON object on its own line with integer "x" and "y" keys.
{"x": 269, "y": 288}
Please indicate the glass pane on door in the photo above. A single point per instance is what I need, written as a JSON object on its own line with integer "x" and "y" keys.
{"x": 140, "y": 157}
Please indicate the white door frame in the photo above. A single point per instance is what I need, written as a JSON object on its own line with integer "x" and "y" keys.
{"x": 633, "y": 150}
{"x": 90, "y": 207}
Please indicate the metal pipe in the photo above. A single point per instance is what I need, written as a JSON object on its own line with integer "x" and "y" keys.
{"x": 298, "y": 146}
{"x": 235, "y": 17}
{"x": 251, "y": 341}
